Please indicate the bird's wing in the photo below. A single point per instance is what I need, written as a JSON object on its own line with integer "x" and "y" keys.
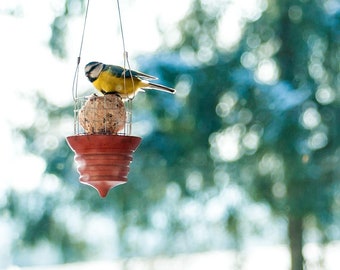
{"x": 119, "y": 72}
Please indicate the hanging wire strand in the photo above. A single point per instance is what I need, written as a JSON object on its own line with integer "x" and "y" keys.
{"x": 125, "y": 55}
{"x": 121, "y": 27}
{"x": 126, "y": 63}
{"x": 76, "y": 73}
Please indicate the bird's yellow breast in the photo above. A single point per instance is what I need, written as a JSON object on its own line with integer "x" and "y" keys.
{"x": 108, "y": 83}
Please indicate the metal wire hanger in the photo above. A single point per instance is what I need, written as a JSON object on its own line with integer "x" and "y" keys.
{"x": 125, "y": 53}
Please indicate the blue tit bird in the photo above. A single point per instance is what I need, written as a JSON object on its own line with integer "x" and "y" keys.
{"x": 124, "y": 82}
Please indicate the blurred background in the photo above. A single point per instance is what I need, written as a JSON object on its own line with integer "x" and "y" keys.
{"x": 239, "y": 169}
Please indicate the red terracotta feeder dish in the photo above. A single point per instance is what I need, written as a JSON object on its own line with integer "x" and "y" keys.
{"x": 103, "y": 161}
{"x": 103, "y": 155}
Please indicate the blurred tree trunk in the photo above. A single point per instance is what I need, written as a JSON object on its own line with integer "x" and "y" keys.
{"x": 295, "y": 232}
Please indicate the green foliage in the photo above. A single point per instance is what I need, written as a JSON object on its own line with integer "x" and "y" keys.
{"x": 58, "y": 37}
{"x": 287, "y": 137}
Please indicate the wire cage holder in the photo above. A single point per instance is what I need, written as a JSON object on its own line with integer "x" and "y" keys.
{"x": 102, "y": 140}
{"x": 106, "y": 115}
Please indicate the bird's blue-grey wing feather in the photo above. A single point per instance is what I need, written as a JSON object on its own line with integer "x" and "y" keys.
{"x": 119, "y": 72}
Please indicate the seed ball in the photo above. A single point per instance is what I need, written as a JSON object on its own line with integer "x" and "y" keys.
{"x": 103, "y": 115}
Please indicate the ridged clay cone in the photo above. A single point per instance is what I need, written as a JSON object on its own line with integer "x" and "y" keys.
{"x": 103, "y": 161}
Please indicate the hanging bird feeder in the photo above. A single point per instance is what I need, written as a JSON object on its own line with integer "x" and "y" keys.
{"x": 103, "y": 149}
{"x": 102, "y": 140}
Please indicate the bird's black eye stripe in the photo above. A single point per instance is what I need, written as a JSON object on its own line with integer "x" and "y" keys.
{"x": 93, "y": 67}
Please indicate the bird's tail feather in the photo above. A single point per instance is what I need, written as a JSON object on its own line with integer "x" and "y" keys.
{"x": 160, "y": 87}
